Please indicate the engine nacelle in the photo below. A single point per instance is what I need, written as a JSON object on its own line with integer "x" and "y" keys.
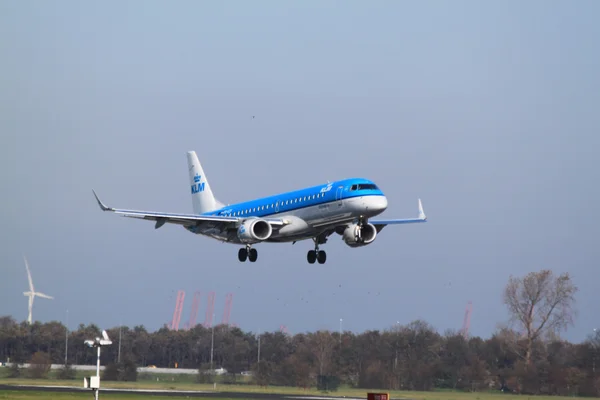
{"x": 254, "y": 230}
{"x": 354, "y": 236}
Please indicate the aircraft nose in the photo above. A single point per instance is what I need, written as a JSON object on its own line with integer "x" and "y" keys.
{"x": 384, "y": 203}
{"x": 378, "y": 203}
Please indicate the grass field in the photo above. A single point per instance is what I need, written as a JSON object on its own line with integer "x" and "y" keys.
{"x": 16, "y": 395}
{"x": 30, "y": 395}
{"x": 347, "y": 392}
{"x": 188, "y": 382}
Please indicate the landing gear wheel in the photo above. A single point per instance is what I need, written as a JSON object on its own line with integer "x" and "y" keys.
{"x": 321, "y": 257}
{"x": 242, "y": 254}
{"x": 311, "y": 257}
{"x": 252, "y": 255}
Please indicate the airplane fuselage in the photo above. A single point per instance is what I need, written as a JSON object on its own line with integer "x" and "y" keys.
{"x": 310, "y": 211}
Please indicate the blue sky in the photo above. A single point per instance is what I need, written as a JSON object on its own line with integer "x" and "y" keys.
{"x": 485, "y": 110}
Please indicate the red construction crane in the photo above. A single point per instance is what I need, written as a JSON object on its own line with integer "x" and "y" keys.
{"x": 467, "y": 321}
{"x": 194, "y": 312}
{"x": 178, "y": 309}
{"x": 210, "y": 308}
{"x": 227, "y": 310}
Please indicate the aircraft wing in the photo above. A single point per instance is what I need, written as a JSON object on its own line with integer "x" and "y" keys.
{"x": 182, "y": 219}
{"x": 382, "y": 223}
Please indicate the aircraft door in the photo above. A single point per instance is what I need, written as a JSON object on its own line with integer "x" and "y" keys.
{"x": 339, "y": 196}
{"x": 277, "y": 206}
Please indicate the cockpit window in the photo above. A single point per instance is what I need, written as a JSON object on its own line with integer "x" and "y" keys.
{"x": 367, "y": 186}
{"x": 353, "y": 187}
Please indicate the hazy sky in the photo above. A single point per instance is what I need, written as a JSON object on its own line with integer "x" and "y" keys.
{"x": 488, "y": 111}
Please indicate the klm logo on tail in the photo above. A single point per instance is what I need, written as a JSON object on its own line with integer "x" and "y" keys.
{"x": 198, "y": 186}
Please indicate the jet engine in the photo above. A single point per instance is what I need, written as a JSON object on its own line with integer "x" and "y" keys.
{"x": 355, "y": 236}
{"x": 254, "y": 230}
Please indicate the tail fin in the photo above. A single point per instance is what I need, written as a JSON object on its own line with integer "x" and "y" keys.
{"x": 202, "y": 196}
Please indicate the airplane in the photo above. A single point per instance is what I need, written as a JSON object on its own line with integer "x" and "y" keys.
{"x": 343, "y": 207}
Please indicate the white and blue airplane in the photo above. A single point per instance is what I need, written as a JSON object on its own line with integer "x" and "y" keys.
{"x": 343, "y": 207}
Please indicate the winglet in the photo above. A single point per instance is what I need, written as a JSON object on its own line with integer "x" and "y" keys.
{"x": 421, "y": 212}
{"x": 102, "y": 206}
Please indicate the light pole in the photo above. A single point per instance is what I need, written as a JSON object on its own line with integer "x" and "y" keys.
{"x": 341, "y": 331}
{"x": 595, "y": 344}
{"x": 93, "y": 382}
{"x": 259, "y": 346}
{"x": 212, "y": 343}
{"x": 119, "y": 353}
{"x": 397, "y": 334}
{"x": 67, "y": 338}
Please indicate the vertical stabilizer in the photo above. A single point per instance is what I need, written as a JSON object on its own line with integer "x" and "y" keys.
{"x": 202, "y": 196}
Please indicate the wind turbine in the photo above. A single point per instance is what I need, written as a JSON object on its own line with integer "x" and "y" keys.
{"x": 32, "y": 293}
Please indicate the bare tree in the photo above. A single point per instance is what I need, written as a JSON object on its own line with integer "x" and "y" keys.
{"x": 540, "y": 303}
{"x": 322, "y": 346}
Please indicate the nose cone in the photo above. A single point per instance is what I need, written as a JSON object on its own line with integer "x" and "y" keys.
{"x": 377, "y": 204}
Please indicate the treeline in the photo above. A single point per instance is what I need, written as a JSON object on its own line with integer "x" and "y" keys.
{"x": 408, "y": 357}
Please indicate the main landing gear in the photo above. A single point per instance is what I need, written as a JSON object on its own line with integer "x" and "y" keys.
{"x": 316, "y": 255}
{"x": 249, "y": 253}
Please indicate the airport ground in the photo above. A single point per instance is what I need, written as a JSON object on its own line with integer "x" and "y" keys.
{"x": 36, "y": 394}
{"x": 183, "y": 384}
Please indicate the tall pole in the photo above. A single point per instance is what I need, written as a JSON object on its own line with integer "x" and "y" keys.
{"x": 212, "y": 343}
{"x": 340, "y": 331}
{"x": 67, "y": 338}
{"x": 595, "y": 343}
{"x": 98, "y": 372}
{"x": 119, "y": 353}
{"x": 397, "y": 334}
{"x": 259, "y": 346}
